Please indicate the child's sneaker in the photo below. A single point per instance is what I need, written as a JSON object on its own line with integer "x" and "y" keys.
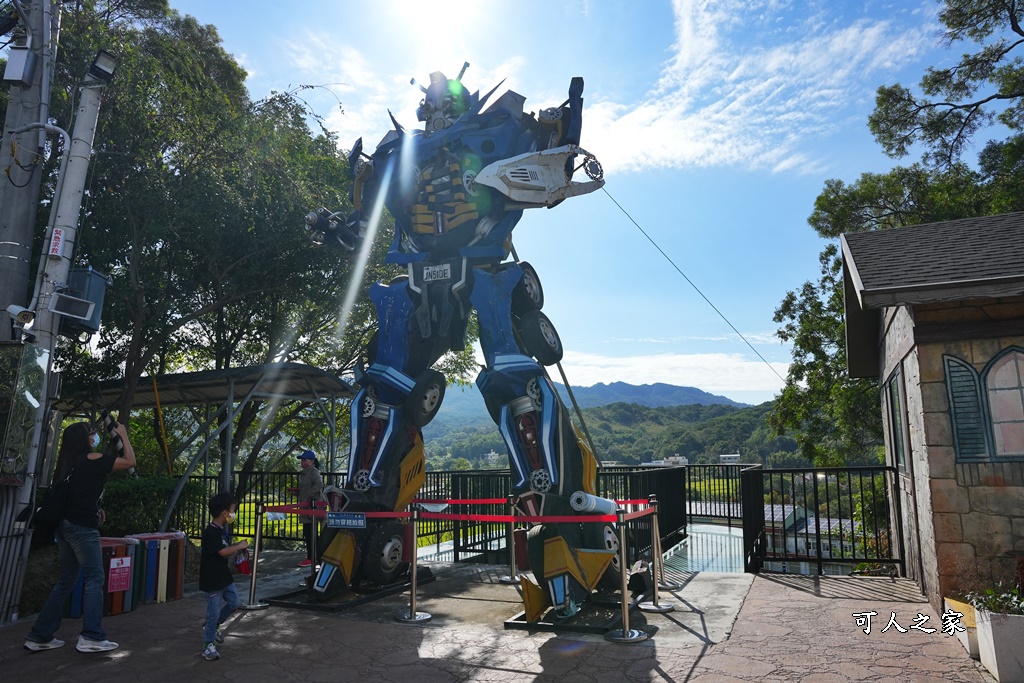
{"x": 90, "y": 645}
{"x": 51, "y": 644}
{"x": 210, "y": 652}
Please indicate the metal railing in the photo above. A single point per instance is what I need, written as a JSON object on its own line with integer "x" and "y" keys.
{"x": 465, "y": 540}
{"x": 795, "y": 520}
{"x": 799, "y": 520}
{"x": 713, "y": 492}
{"x": 270, "y": 488}
{"x": 482, "y": 541}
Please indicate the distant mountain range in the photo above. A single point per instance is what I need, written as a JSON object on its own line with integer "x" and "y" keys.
{"x": 464, "y": 407}
{"x": 656, "y": 395}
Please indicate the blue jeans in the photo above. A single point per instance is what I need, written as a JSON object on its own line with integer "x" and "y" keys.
{"x": 217, "y": 614}
{"x": 79, "y": 548}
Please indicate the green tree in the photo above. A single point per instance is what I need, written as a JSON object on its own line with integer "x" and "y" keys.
{"x": 835, "y": 419}
{"x": 832, "y": 417}
{"x": 194, "y": 208}
{"x": 957, "y": 102}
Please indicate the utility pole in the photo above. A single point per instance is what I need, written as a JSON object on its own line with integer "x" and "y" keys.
{"x": 54, "y": 268}
{"x": 29, "y": 73}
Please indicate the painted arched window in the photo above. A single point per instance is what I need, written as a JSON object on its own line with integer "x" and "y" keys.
{"x": 1004, "y": 391}
{"x": 971, "y": 433}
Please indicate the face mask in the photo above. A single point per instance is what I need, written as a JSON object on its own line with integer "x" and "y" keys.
{"x": 230, "y": 518}
{"x": 94, "y": 440}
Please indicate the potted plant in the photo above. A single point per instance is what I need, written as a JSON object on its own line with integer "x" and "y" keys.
{"x": 999, "y": 613}
{"x": 968, "y": 637}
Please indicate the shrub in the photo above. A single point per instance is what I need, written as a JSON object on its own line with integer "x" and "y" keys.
{"x": 999, "y": 600}
{"x": 135, "y": 505}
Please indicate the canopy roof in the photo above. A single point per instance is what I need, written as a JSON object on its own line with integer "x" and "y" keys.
{"x": 273, "y": 380}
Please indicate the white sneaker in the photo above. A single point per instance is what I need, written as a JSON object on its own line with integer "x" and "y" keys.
{"x": 89, "y": 645}
{"x": 51, "y": 644}
{"x": 210, "y": 652}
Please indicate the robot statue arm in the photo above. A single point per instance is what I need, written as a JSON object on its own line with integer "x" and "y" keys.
{"x": 331, "y": 229}
{"x": 538, "y": 179}
{"x": 544, "y": 178}
{"x": 346, "y": 232}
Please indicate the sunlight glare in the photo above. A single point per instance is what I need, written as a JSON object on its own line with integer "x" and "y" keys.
{"x": 355, "y": 285}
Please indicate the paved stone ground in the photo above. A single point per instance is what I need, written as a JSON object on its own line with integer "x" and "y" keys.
{"x": 800, "y": 628}
{"x": 727, "y": 627}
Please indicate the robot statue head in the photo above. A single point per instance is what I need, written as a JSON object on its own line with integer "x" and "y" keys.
{"x": 444, "y": 101}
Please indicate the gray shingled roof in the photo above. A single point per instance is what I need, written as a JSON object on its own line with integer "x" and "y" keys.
{"x": 971, "y": 258}
{"x": 937, "y": 261}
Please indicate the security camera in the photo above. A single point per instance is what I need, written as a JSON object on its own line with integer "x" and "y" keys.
{"x": 21, "y": 314}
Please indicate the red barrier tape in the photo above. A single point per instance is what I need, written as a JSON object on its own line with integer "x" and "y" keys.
{"x": 461, "y": 501}
{"x": 503, "y": 519}
{"x": 498, "y": 501}
{"x": 639, "y": 513}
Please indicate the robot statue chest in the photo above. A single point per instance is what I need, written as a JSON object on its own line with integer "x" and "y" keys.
{"x": 439, "y": 195}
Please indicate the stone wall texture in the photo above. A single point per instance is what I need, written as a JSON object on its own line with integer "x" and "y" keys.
{"x": 969, "y": 514}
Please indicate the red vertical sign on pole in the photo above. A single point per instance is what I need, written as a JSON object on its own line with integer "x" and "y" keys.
{"x": 120, "y": 574}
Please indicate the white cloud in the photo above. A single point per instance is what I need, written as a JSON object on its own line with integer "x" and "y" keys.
{"x": 752, "y": 99}
{"x": 752, "y": 84}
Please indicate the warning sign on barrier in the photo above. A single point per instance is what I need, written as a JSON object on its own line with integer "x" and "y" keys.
{"x": 346, "y": 520}
{"x": 120, "y": 578}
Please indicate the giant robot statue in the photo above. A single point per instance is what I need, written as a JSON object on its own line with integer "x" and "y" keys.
{"x": 456, "y": 190}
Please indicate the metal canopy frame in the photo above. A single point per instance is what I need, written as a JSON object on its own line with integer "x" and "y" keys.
{"x": 274, "y": 380}
{"x": 229, "y": 390}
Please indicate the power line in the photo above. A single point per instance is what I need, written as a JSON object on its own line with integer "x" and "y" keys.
{"x": 696, "y": 289}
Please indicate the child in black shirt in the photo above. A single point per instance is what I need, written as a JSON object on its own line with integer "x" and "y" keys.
{"x": 214, "y": 576}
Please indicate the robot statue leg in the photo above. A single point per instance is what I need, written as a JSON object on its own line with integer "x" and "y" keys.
{"x": 386, "y": 462}
{"x": 554, "y": 473}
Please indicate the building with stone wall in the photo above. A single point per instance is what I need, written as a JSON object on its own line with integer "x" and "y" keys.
{"x": 936, "y": 313}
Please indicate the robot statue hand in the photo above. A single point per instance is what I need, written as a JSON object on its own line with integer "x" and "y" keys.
{"x": 325, "y": 228}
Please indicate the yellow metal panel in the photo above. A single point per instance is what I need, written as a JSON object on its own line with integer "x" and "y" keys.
{"x": 453, "y": 223}
{"x": 413, "y": 473}
{"x": 589, "y": 464}
{"x": 357, "y": 194}
{"x": 557, "y": 557}
{"x": 342, "y": 552}
{"x": 593, "y": 564}
{"x": 535, "y": 600}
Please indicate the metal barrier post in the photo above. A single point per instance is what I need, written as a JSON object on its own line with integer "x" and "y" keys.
{"x": 411, "y": 616}
{"x": 314, "y": 535}
{"x": 513, "y": 578}
{"x": 658, "y": 568}
{"x": 624, "y": 634}
{"x": 660, "y": 578}
{"x": 257, "y": 542}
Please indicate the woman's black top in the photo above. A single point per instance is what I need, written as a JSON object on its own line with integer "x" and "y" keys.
{"x": 86, "y": 487}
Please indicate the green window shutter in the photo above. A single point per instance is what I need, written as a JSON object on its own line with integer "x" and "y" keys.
{"x": 970, "y": 426}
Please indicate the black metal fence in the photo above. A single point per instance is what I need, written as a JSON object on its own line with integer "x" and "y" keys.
{"x": 796, "y": 520}
{"x": 270, "y": 488}
{"x": 465, "y": 540}
{"x": 820, "y": 520}
{"x": 713, "y": 492}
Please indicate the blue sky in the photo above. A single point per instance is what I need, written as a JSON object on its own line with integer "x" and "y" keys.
{"x": 717, "y": 123}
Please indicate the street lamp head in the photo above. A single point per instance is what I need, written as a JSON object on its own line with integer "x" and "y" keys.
{"x": 21, "y": 315}
{"x": 103, "y": 66}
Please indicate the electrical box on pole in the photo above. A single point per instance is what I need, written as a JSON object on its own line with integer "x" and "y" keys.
{"x": 21, "y": 66}
{"x": 88, "y": 288}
